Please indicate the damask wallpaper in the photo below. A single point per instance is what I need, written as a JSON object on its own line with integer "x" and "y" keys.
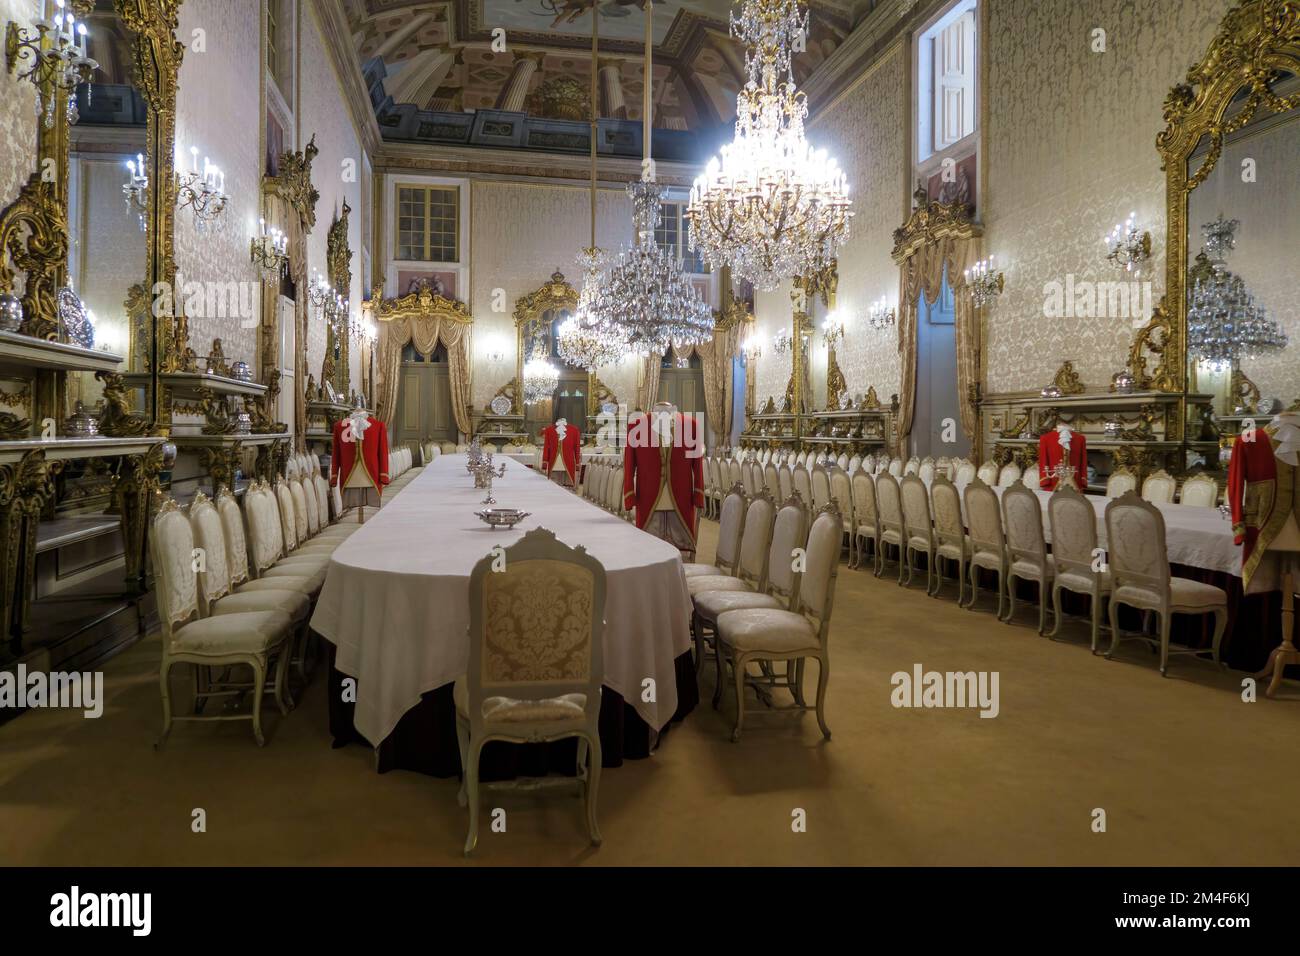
{"x": 1070, "y": 151}
{"x": 772, "y": 314}
{"x": 520, "y": 234}
{"x": 17, "y": 116}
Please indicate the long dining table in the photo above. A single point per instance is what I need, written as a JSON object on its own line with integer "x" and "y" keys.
{"x": 395, "y": 610}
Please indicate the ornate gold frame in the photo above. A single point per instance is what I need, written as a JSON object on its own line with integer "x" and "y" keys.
{"x": 1255, "y": 39}
{"x": 338, "y": 263}
{"x": 555, "y": 294}
{"x": 420, "y": 303}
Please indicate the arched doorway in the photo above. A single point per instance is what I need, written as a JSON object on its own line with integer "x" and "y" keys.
{"x": 423, "y": 411}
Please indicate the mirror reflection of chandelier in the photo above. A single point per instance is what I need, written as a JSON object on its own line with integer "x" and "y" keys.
{"x": 770, "y": 206}
{"x": 541, "y": 379}
{"x": 1224, "y": 323}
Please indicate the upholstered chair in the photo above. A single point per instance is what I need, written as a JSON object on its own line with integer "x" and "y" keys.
{"x": 867, "y": 518}
{"x": 786, "y": 479}
{"x": 854, "y": 464}
{"x": 794, "y": 635}
{"x": 913, "y": 466}
{"x": 802, "y": 483}
{"x": 1158, "y": 488}
{"x": 918, "y": 530}
{"x": 1022, "y": 517}
{"x": 1140, "y": 576}
{"x": 1030, "y": 477}
{"x": 329, "y": 531}
{"x": 733, "y": 474}
{"x": 821, "y": 486}
{"x": 842, "y": 462}
{"x": 842, "y": 495}
{"x": 309, "y": 499}
{"x": 1074, "y": 553}
{"x": 926, "y": 471}
{"x": 238, "y": 554}
{"x": 1008, "y": 475}
{"x": 772, "y": 481}
{"x": 750, "y": 572}
{"x": 869, "y": 465}
{"x": 266, "y": 525}
{"x": 951, "y": 543}
{"x": 889, "y": 504}
{"x": 253, "y": 638}
{"x": 1120, "y": 481}
{"x": 548, "y": 690}
{"x": 731, "y": 525}
{"x": 896, "y": 467}
{"x": 1200, "y": 491}
{"x": 801, "y": 459}
{"x": 965, "y": 472}
{"x": 988, "y": 473}
{"x": 988, "y": 548}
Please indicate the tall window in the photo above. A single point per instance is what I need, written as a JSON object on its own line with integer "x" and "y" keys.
{"x": 279, "y": 46}
{"x": 428, "y": 223}
{"x": 671, "y": 235}
{"x": 946, "y": 81}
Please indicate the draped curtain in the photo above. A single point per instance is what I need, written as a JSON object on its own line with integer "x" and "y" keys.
{"x": 922, "y": 274}
{"x": 715, "y": 362}
{"x": 424, "y": 332}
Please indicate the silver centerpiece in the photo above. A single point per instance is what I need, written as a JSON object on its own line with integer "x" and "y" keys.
{"x": 501, "y": 517}
{"x": 1051, "y": 391}
{"x": 1113, "y": 428}
{"x": 1123, "y": 382}
{"x": 77, "y": 327}
{"x": 81, "y": 424}
{"x": 241, "y": 371}
{"x": 11, "y": 312}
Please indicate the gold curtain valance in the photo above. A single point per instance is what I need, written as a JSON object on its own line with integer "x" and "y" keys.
{"x": 423, "y": 319}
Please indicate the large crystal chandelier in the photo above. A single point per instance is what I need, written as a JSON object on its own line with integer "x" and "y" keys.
{"x": 1224, "y": 323}
{"x": 650, "y": 304}
{"x": 770, "y": 206}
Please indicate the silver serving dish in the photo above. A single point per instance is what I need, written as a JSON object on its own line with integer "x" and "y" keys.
{"x": 1051, "y": 391}
{"x": 502, "y": 517}
{"x": 241, "y": 371}
{"x": 1113, "y": 429}
{"x": 1123, "y": 382}
{"x": 81, "y": 424}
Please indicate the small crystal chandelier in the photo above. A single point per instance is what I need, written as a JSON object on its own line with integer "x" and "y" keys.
{"x": 880, "y": 316}
{"x": 319, "y": 293}
{"x": 136, "y": 190}
{"x": 649, "y": 303}
{"x": 984, "y": 281}
{"x": 833, "y": 330}
{"x": 770, "y": 206}
{"x": 541, "y": 378}
{"x": 270, "y": 252}
{"x": 1126, "y": 246}
{"x": 57, "y": 54}
{"x": 582, "y": 344}
{"x": 203, "y": 191}
{"x": 1224, "y": 323}
{"x": 782, "y": 342}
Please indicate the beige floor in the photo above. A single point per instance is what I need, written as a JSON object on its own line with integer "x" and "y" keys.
{"x": 1186, "y": 772}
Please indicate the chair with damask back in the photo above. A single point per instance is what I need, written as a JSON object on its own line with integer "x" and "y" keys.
{"x": 951, "y": 543}
{"x": 965, "y": 472}
{"x": 1027, "y": 559}
{"x": 867, "y": 517}
{"x": 988, "y": 473}
{"x": 1120, "y": 481}
{"x": 1075, "y": 555}
{"x": 889, "y": 505}
{"x": 987, "y": 543}
{"x": 1158, "y": 488}
{"x": 1140, "y": 577}
{"x": 548, "y": 688}
{"x": 1200, "y": 491}
{"x": 918, "y": 529}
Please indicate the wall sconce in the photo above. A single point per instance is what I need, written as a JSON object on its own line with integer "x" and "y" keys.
{"x": 782, "y": 342}
{"x": 203, "y": 191}
{"x": 753, "y": 348}
{"x": 269, "y": 252}
{"x": 985, "y": 282}
{"x": 56, "y": 52}
{"x": 1126, "y": 246}
{"x": 880, "y": 315}
{"x": 136, "y": 189}
{"x": 833, "y": 329}
{"x": 495, "y": 353}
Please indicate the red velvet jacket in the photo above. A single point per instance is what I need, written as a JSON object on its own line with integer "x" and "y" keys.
{"x": 570, "y": 448}
{"x": 374, "y": 453}
{"x": 644, "y": 474}
{"x": 1262, "y": 492}
{"x": 1050, "y": 455}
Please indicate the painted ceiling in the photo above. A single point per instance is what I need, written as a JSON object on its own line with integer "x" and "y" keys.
{"x": 438, "y": 55}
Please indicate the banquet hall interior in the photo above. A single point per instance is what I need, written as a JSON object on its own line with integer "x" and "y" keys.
{"x": 702, "y": 410}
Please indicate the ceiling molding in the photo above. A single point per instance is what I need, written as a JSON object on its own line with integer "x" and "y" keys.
{"x": 333, "y": 24}
{"x": 882, "y": 29}
{"x": 522, "y": 165}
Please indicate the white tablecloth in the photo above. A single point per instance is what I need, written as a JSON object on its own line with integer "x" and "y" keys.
{"x": 1196, "y": 537}
{"x": 396, "y": 597}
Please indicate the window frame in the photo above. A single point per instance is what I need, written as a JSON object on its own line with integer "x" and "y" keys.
{"x": 926, "y": 159}
{"x": 426, "y": 189}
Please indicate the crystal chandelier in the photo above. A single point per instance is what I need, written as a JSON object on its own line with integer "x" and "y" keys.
{"x": 270, "y": 252}
{"x": 1224, "y": 323}
{"x": 57, "y": 54}
{"x": 541, "y": 378}
{"x": 649, "y": 303}
{"x": 770, "y": 206}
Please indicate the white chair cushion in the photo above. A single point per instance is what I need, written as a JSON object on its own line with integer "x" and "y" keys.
{"x": 291, "y": 602}
{"x": 1030, "y": 570}
{"x": 1082, "y": 583}
{"x": 767, "y": 629}
{"x": 953, "y": 552}
{"x": 693, "y": 569}
{"x": 512, "y": 710}
{"x": 304, "y": 559}
{"x": 253, "y": 632}
{"x": 867, "y": 529}
{"x": 917, "y": 543}
{"x": 280, "y": 583}
{"x": 315, "y": 575}
{"x": 715, "y": 582}
{"x": 315, "y": 547}
{"x": 1184, "y": 593}
{"x": 709, "y": 604}
{"x": 986, "y": 559}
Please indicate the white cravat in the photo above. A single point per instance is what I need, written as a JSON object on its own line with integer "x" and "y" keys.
{"x": 1064, "y": 434}
{"x": 360, "y": 422}
{"x": 561, "y": 429}
{"x": 1286, "y": 429}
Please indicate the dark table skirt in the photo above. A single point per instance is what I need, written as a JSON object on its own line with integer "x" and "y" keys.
{"x": 425, "y": 738}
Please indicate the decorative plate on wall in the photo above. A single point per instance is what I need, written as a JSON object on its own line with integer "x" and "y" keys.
{"x": 500, "y": 405}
